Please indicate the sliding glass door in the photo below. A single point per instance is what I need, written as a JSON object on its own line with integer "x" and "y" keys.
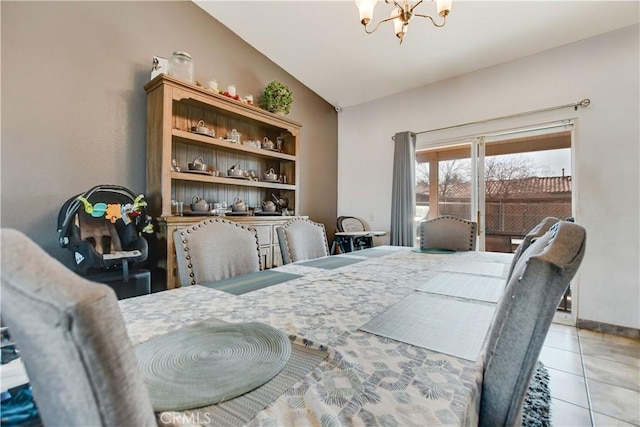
{"x": 507, "y": 182}
{"x": 527, "y": 178}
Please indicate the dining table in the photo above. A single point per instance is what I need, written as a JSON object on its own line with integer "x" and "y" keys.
{"x": 399, "y": 331}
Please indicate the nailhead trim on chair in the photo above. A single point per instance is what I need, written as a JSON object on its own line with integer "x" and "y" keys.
{"x": 291, "y": 222}
{"x": 474, "y": 228}
{"x": 208, "y": 221}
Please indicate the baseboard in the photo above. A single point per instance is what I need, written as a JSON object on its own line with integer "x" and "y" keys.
{"x": 608, "y": 328}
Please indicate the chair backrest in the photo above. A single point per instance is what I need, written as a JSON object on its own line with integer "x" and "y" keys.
{"x": 215, "y": 249}
{"x": 536, "y": 232}
{"x": 448, "y": 232}
{"x": 72, "y": 340}
{"x": 522, "y": 319}
{"x": 350, "y": 223}
{"x": 301, "y": 239}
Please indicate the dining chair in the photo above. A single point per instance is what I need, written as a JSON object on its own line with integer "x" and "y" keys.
{"x": 302, "y": 239}
{"x": 536, "y": 232}
{"x": 448, "y": 232}
{"x": 522, "y": 319}
{"x": 72, "y": 340}
{"x": 215, "y": 249}
{"x": 351, "y": 223}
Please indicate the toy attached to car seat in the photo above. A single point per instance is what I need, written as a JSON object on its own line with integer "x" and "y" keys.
{"x": 102, "y": 227}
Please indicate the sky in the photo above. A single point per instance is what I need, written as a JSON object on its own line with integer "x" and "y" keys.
{"x": 553, "y": 160}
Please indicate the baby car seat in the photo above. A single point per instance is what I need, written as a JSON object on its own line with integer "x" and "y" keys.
{"x": 102, "y": 227}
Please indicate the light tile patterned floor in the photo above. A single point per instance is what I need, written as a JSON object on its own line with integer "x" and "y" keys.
{"x": 610, "y": 396}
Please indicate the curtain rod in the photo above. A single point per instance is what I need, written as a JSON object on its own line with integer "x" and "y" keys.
{"x": 584, "y": 103}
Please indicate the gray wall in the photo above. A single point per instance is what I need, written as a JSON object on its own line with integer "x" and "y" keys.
{"x": 74, "y": 107}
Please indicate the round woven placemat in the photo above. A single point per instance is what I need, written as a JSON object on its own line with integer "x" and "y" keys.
{"x": 209, "y": 363}
{"x": 433, "y": 250}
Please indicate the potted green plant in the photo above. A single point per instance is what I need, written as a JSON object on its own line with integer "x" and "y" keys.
{"x": 276, "y": 98}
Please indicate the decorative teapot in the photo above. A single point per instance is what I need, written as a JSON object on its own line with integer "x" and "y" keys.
{"x": 270, "y": 175}
{"x": 267, "y": 144}
{"x": 198, "y": 165}
{"x": 198, "y": 204}
{"x": 268, "y": 206}
{"x": 238, "y": 206}
{"x": 281, "y": 202}
{"x": 235, "y": 171}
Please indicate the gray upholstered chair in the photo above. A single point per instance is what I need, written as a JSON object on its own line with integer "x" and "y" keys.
{"x": 522, "y": 320}
{"x": 215, "y": 249}
{"x": 448, "y": 232}
{"x": 72, "y": 340}
{"x": 301, "y": 239}
{"x": 537, "y": 231}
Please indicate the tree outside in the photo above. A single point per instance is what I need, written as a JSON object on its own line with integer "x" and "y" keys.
{"x": 519, "y": 193}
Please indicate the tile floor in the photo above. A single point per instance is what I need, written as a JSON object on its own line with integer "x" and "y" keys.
{"x": 595, "y": 377}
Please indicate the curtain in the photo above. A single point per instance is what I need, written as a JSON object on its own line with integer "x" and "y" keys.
{"x": 403, "y": 192}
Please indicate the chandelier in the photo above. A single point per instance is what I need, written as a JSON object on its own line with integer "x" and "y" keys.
{"x": 401, "y": 15}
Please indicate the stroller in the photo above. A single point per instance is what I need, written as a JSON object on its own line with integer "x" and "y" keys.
{"x": 102, "y": 227}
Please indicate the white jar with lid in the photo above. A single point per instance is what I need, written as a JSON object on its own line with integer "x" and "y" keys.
{"x": 181, "y": 66}
{"x": 234, "y": 136}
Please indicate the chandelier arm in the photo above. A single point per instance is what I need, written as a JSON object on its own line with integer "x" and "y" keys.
{"x": 414, "y": 6}
{"x": 395, "y": 3}
{"x": 444, "y": 20}
{"x": 378, "y": 24}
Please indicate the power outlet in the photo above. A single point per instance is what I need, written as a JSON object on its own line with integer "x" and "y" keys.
{"x": 371, "y": 215}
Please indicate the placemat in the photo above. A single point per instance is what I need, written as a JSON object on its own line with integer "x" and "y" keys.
{"x": 210, "y": 362}
{"x": 482, "y": 288}
{"x": 242, "y": 409}
{"x": 251, "y": 282}
{"x": 485, "y": 268}
{"x": 447, "y": 325}
{"x": 433, "y": 250}
{"x": 331, "y": 262}
{"x": 373, "y": 252}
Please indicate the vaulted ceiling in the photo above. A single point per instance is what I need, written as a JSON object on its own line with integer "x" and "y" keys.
{"x": 323, "y": 45}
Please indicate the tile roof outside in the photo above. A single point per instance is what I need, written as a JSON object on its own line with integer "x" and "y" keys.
{"x": 532, "y": 187}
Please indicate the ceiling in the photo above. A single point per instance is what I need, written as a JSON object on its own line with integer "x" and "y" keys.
{"x": 323, "y": 45}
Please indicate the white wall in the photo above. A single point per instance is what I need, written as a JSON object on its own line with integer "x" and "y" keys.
{"x": 605, "y": 69}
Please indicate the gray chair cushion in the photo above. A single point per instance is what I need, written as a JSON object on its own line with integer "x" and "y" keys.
{"x": 523, "y": 316}
{"x": 448, "y": 232}
{"x": 537, "y": 231}
{"x": 72, "y": 339}
{"x": 301, "y": 239}
{"x": 215, "y": 249}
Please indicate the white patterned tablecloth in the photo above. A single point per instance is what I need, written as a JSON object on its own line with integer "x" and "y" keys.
{"x": 367, "y": 379}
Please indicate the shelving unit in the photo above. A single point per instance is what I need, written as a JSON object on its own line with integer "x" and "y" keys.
{"x": 173, "y": 108}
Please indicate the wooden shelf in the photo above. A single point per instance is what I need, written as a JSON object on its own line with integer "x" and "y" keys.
{"x": 173, "y": 108}
{"x": 205, "y": 96}
{"x": 227, "y": 146}
{"x": 185, "y": 176}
